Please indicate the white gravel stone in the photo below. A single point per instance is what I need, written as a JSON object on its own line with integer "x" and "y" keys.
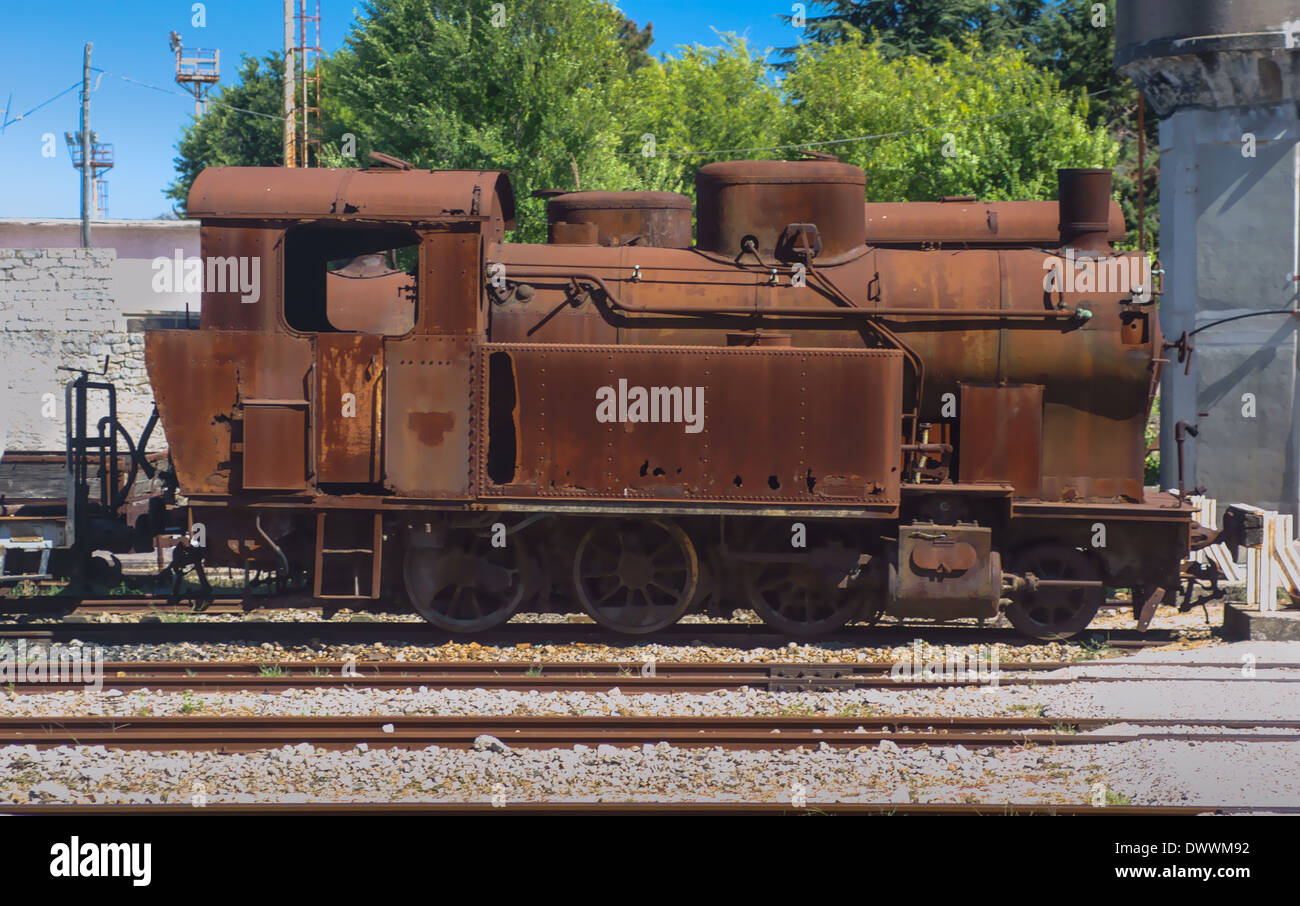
{"x": 491, "y": 744}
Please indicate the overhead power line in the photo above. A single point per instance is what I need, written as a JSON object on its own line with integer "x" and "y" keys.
{"x": 183, "y": 94}
{"x": 7, "y": 121}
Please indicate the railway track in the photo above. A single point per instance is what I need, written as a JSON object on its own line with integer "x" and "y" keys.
{"x": 701, "y": 809}
{"x": 363, "y": 630}
{"x": 225, "y": 605}
{"x": 234, "y": 734}
{"x": 229, "y": 676}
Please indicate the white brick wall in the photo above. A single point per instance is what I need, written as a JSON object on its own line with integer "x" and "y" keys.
{"x": 56, "y": 308}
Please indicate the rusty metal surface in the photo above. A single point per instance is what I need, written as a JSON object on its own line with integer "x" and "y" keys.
{"x": 1077, "y": 360}
{"x": 572, "y": 234}
{"x": 198, "y": 379}
{"x": 1145, "y": 542}
{"x": 1085, "y": 206}
{"x": 276, "y": 193}
{"x": 349, "y": 413}
{"x": 946, "y": 572}
{"x": 1099, "y": 369}
{"x": 657, "y": 219}
{"x": 743, "y": 198}
{"x": 955, "y": 310}
{"x": 275, "y": 447}
{"x": 451, "y": 281}
{"x": 429, "y": 393}
{"x": 949, "y": 289}
{"x": 1001, "y": 435}
{"x": 766, "y": 434}
{"x": 369, "y": 296}
{"x": 1092, "y": 454}
{"x": 225, "y": 308}
{"x": 989, "y": 224}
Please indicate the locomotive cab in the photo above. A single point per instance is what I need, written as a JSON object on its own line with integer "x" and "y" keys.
{"x": 364, "y": 288}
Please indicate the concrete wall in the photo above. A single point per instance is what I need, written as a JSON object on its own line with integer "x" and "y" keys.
{"x": 136, "y": 244}
{"x": 1229, "y": 248}
{"x": 57, "y": 307}
{"x": 1220, "y": 73}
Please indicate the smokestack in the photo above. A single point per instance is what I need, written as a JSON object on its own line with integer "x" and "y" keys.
{"x": 1084, "y": 195}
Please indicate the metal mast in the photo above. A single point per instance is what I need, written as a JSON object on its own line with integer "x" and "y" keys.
{"x": 87, "y": 156}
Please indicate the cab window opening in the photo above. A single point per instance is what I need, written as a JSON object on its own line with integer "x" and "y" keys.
{"x": 351, "y": 278}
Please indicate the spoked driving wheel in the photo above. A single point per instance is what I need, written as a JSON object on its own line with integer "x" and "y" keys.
{"x": 467, "y": 585}
{"x": 804, "y": 593}
{"x": 1063, "y": 592}
{"x": 635, "y": 575}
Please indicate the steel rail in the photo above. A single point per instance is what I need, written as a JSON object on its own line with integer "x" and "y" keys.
{"x": 362, "y": 629}
{"x": 231, "y": 734}
{"x": 270, "y": 677}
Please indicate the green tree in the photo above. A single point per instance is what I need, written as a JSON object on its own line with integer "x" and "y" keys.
{"x": 975, "y": 122}
{"x": 636, "y": 42}
{"x": 923, "y": 27}
{"x": 456, "y": 84}
{"x": 1078, "y": 44}
{"x": 703, "y": 99}
{"x": 1072, "y": 39}
{"x": 230, "y": 137}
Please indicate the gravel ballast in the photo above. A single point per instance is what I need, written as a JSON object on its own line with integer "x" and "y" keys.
{"x": 1145, "y": 772}
{"x": 1141, "y": 771}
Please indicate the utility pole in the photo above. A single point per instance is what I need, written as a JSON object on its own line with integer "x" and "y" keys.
{"x": 87, "y": 171}
{"x": 290, "y": 114}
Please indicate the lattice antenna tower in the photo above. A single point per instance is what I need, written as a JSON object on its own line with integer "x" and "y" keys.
{"x": 101, "y": 159}
{"x": 197, "y": 70}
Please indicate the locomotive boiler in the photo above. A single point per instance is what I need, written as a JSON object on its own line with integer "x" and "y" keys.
{"x": 820, "y": 409}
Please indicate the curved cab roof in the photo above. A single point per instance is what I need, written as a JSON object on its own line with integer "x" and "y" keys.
{"x": 381, "y": 193}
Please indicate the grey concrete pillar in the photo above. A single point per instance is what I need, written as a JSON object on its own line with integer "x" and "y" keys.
{"x": 1224, "y": 81}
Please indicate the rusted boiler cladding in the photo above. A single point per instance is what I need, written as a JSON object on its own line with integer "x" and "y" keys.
{"x": 976, "y": 293}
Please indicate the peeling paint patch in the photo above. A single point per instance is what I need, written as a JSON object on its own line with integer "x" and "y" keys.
{"x": 430, "y": 428}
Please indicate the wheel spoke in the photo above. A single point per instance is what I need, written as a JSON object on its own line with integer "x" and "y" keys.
{"x": 613, "y": 591}
{"x": 635, "y": 576}
{"x": 1057, "y": 612}
{"x": 466, "y": 585}
{"x": 663, "y": 549}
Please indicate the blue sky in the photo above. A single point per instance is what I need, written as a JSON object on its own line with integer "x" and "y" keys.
{"x": 41, "y": 55}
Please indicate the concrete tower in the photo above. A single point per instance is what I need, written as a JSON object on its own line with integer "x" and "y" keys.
{"x": 1224, "y": 78}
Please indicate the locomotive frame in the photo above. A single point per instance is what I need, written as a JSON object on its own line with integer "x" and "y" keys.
{"x": 896, "y": 416}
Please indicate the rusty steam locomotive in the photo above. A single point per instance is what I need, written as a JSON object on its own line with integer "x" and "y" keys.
{"x": 821, "y": 409}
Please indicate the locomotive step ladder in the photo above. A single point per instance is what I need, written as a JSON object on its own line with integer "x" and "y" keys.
{"x": 361, "y": 560}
